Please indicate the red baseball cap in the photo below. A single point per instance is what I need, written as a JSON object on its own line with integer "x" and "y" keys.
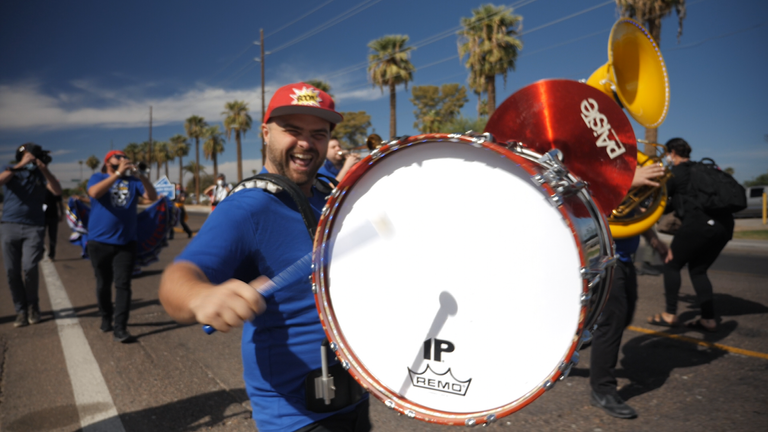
{"x": 112, "y": 153}
{"x": 302, "y": 98}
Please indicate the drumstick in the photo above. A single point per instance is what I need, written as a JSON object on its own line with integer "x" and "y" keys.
{"x": 292, "y": 274}
{"x": 298, "y": 270}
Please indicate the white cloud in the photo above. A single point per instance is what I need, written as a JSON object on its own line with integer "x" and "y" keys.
{"x": 25, "y": 105}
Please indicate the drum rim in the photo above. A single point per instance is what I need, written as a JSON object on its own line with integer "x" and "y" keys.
{"x": 346, "y": 354}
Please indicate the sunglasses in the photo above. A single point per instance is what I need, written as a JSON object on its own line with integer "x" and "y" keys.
{"x": 119, "y": 156}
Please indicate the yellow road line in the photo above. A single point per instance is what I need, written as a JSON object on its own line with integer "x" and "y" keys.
{"x": 701, "y": 342}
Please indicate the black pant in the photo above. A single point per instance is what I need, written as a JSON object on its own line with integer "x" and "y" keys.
{"x": 182, "y": 216}
{"x": 698, "y": 246}
{"x": 113, "y": 262}
{"x": 356, "y": 420}
{"x": 52, "y": 225}
{"x": 616, "y": 316}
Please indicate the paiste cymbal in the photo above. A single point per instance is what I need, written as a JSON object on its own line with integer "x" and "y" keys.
{"x": 590, "y": 129}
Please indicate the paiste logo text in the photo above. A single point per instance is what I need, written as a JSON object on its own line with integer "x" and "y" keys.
{"x": 601, "y": 128}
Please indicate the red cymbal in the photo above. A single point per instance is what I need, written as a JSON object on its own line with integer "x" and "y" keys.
{"x": 590, "y": 129}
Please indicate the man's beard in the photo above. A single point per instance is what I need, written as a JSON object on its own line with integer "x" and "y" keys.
{"x": 281, "y": 162}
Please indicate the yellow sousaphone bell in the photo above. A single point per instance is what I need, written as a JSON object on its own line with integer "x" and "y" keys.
{"x": 636, "y": 77}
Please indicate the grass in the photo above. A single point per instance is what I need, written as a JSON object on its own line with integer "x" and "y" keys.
{"x": 751, "y": 235}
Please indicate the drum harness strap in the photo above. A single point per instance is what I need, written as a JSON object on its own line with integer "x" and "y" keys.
{"x": 327, "y": 389}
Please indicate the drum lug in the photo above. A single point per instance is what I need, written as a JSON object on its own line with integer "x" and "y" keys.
{"x": 470, "y": 422}
{"x": 548, "y": 384}
{"x": 491, "y": 418}
{"x": 585, "y": 298}
{"x": 345, "y": 364}
{"x": 410, "y": 414}
{"x": 333, "y": 346}
{"x": 314, "y": 288}
{"x": 390, "y": 404}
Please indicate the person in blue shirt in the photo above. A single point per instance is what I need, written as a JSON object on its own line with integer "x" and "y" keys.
{"x": 114, "y": 194}
{"x": 337, "y": 161}
{"x": 23, "y": 227}
{"x": 253, "y": 236}
{"x": 618, "y": 312}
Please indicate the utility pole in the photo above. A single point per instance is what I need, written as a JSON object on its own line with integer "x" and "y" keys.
{"x": 261, "y": 59}
{"x": 149, "y": 156}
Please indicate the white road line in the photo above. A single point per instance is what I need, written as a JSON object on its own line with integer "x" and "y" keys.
{"x": 94, "y": 403}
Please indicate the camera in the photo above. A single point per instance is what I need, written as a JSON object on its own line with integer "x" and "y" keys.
{"x": 43, "y": 155}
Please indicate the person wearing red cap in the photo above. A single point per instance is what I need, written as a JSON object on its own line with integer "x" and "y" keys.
{"x": 114, "y": 194}
{"x": 253, "y": 236}
{"x": 23, "y": 227}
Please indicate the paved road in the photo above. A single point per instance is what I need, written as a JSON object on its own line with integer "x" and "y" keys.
{"x": 174, "y": 378}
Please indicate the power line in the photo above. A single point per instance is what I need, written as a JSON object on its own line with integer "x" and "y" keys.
{"x": 424, "y": 42}
{"x": 298, "y": 19}
{"x": 343, "y": 16}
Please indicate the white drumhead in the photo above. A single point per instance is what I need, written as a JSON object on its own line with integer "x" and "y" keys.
{"x": 449, "y": 250}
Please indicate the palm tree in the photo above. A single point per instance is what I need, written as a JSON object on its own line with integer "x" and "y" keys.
{"x": 237, "y": 119}
{"x": 195, "y": 126}
{"x": 92, "y": 162}
{"x": 132, "y": 150}
{"x": 162, "y": 154}
{"x": 179, "y": 149}
{"x": 649, "y": 13}
{"x": 489, "y": 37}
{"x": 389, "y": 66}
{"x": 213, "y": 145}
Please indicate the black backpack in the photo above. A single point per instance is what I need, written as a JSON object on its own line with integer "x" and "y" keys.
{"x": 713, "y": 190}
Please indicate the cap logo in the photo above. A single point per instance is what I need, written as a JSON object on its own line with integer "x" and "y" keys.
{"x": 306, "y": 96}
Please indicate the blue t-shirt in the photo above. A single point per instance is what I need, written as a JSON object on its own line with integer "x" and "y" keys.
{"x": 329, "y": 169}
{"x": 626, "y": 247}
{"x": 254, "y": 233}
{"x": 24, "y": 195}
{"x": 113, "y": 216}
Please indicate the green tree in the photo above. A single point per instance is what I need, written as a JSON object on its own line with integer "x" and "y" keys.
{"x": 213, "y": 146}
{"x": 489, "y": 38}
{"x": 353, "y": 130}
{"x": 389, "y": 66}
{"x": 463, "y": 124}
{"x": 762, "y": 179}
{"x": 238, "y": 120}
{"x": 195, "y": 127}
{"x": 179, "y": 148}
{"x": 161, "y": 155}
{"x": 93, "y": 162}
{"x": 649, "y": 13}
{"x": 436, "y": 106}
{"x": 144, "y": 153}
{"x": 132, "y": 150}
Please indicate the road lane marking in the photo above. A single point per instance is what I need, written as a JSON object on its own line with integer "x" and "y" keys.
{"x": 88, "y": 383}
{"x": 701, "y": 342}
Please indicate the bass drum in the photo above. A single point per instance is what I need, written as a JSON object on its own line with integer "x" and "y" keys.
{"x": 454, "y": 277}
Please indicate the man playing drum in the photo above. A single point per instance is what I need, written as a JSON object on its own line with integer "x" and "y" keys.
{"x": 255, "y": 237}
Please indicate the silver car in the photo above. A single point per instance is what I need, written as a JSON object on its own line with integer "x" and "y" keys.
{"x": 754, "y": 202}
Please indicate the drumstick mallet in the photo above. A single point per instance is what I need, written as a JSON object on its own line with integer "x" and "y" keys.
{"x": 298, "y": 270}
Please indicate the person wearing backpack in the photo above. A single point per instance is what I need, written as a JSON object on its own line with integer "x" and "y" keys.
{"x": 704, "y": 232}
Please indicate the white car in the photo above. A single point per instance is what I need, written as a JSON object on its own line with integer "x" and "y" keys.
{"x": 754, "y": 202}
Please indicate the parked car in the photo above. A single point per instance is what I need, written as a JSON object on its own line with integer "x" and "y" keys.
{"x": 754, "y": 202}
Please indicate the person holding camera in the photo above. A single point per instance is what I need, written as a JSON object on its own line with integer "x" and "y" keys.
{"x": 114, "y": 194}
{"x": 23, "y": 227}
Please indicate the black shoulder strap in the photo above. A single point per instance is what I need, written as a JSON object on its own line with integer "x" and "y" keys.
{"x": 276, "y": 184}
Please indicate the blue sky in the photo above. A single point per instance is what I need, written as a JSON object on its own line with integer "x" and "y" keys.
{"x": 79, "y": 77}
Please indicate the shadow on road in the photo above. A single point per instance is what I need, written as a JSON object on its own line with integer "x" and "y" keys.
{"x": 167, "y": 326}
{"x": 191, "y": 414}
{"x": 87, "y": 311}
